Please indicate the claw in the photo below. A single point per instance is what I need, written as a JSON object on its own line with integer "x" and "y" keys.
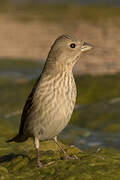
{"x": 40, "y": 165}
{"x": 67, "y": 157}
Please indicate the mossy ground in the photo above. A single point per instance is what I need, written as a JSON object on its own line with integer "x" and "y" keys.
{"x": 19, "y": 162}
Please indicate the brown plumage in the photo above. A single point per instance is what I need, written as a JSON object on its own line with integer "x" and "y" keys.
{"x": 49, "y": 106}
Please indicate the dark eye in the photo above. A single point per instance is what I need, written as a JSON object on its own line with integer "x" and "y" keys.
{"x": 72, "y": 45}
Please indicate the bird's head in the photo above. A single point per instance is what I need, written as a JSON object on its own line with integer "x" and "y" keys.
{"x": 65, "y": 52}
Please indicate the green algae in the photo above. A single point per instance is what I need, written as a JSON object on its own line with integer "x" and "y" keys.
{"x": 98, "y": 103}
{"x": 18, "y": 161}
{"x": 93, "y": 89}
{"x": 90, "y": 165}
{"x": 102, "y": 116}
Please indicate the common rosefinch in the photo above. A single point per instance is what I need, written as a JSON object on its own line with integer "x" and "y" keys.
{"x": 50, "y": 104}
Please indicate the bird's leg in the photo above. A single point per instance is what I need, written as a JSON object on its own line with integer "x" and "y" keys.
{"x": 37, "y": 152}
{"x": 66, "y": 156}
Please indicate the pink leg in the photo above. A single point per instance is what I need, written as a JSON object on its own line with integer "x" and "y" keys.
{"x": 66, "y": 156}
{"x": 37, "y": 152}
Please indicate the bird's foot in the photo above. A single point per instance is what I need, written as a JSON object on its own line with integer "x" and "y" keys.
{"x": 75, "y": 157}
{"x": 40, "y": 165}
{"x": 67, "y": 157}
{"x": 49, "y": 163}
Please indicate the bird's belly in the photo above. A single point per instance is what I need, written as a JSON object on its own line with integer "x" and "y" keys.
{"x": 57, "y": 121}
{"x": 54, "y": 120}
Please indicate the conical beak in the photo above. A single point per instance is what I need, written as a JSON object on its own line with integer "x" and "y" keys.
{"x": 86, "y": 47}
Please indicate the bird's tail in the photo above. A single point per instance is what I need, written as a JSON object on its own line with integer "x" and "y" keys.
{"x": 17, "y": 139}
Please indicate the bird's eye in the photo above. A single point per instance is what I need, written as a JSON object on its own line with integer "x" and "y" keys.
{"x": 72, "y": 45}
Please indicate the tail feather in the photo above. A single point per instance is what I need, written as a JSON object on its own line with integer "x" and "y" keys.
{"x": 17, "y": 139}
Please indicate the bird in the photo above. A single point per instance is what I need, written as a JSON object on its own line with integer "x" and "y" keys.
{"x": 50, "y": 105}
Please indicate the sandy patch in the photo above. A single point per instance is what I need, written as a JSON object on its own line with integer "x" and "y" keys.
{"x": 32, "y": 40}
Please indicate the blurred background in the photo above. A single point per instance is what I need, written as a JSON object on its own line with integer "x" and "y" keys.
{"x": 27, "y": 30}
